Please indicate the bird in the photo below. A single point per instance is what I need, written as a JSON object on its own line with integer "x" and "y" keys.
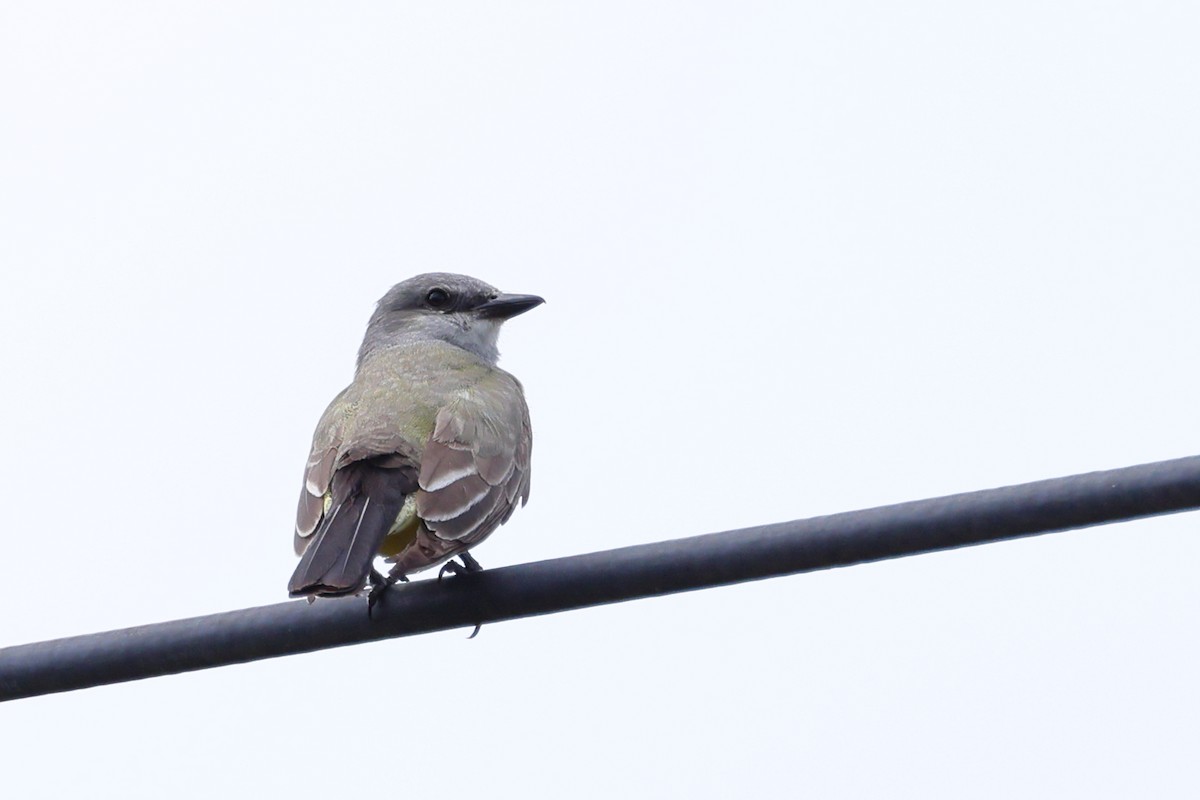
{"x": 426, "y": 452}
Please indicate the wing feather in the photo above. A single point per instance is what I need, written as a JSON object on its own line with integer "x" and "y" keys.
{"x": 442, "y": 465}
{"x": 318, "y": 474}
{"x": 476, "y": 464}
{"x": 452, "y": 501}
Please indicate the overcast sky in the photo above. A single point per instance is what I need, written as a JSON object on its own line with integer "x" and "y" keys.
{"x": 799, "y": 258}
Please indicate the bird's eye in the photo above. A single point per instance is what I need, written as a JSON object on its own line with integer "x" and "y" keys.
{"x": 438, "y": 298}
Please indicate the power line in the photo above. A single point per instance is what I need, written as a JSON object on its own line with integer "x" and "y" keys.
{"x": 610, "y": 576}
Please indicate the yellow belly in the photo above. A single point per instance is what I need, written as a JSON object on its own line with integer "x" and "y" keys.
{"x": 404, "y": 530}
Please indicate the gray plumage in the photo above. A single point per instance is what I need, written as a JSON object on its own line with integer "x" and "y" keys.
{"x": 427, "y": 451}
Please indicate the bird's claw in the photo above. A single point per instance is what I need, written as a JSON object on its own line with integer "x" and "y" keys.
{"x": 380, "y": 584}
{"x": 468, "y": 565}
{"x": 452, "y": 567}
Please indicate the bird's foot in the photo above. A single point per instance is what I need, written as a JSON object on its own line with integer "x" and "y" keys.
{"x": 380, "y": 583}
{"x": 468, "y": 565}
{"x": 452, "y": 567}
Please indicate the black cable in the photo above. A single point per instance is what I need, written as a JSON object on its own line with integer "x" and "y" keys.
{"x": 605, "y": 577}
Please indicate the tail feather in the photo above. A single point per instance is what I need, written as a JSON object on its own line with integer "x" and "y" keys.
{"x": 366, "y": 499}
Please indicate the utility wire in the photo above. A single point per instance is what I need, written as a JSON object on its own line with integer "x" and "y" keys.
{"x": 610, "y": 576}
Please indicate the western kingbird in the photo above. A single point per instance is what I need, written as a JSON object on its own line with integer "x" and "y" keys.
{"x": 426, "y": 452}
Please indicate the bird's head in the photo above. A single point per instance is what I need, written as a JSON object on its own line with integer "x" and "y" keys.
{"x": 459, "y": 309}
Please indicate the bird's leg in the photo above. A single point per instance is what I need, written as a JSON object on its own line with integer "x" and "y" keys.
{"x": 451, "y": 566}
{"x": 376, "y": 580}
{"x": 381, "y": 583}
{"x": 468, "y": 565}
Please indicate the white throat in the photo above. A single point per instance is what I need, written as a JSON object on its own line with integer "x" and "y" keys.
{"x": 479, "y": 337}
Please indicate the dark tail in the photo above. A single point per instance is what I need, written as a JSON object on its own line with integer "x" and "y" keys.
{"x": 366, "y": 499}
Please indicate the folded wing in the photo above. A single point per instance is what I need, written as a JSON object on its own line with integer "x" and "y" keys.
{"x": 476, "y": 464}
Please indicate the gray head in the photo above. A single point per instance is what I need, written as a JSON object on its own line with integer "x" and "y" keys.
{"x": 459, "y": 309}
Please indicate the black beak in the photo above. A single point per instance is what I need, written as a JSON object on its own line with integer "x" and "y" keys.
{"x": 507, "y": 306}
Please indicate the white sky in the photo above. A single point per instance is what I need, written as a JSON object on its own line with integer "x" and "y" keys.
{"x": 799, "y": 259}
